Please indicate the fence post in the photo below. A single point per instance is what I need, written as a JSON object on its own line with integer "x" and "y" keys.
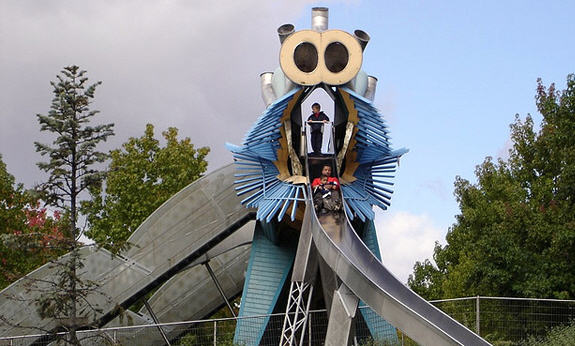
{"x": 477, "y": 316}
{"x": 309, "y": 330}
{"x": 215, "y": 333}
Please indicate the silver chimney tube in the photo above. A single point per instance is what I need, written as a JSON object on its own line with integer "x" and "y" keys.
{"x": 370, "y": 90}
{"x": 319, "y": 18}
{"x": 362, "y": 37}
{"x": 289, "y": 85}
{"x": 284, "y": 31}
{"x": 267, "y": 91}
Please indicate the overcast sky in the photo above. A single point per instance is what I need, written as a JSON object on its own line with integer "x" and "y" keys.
{"x": 452, "y": 75}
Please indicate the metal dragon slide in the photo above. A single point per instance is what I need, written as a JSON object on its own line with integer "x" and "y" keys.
{"x": 201, "y": 248}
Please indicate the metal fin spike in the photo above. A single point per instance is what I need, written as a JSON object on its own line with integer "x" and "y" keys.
{"x": 376, "y": 158}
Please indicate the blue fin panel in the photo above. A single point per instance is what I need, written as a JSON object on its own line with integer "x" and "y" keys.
{"x": 379, "y": 328}
{"x": 257, "y": 174}
{"x": 377, "y": 162}
{"x": 267, "y": 272}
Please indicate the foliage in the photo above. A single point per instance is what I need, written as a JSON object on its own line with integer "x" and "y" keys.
{"x": 203, "y": 333}
{"x": 370, "y": 341}
{"x": 515, "y": 235}
{"x": 13, "y": 200}
{"x": 423, "y": 280}
{"x": 558, "y": 336}
{"x": 34, "y": 244}
{"x": 71, "y": 168}
{"x": 142, "y": 176}
{"x": 29, "y": 237}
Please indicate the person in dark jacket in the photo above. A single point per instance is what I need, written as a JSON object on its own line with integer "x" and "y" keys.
{"x": 316, "y": 128}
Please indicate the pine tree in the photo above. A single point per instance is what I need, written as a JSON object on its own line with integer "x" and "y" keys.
{"x": 72, "y": 160}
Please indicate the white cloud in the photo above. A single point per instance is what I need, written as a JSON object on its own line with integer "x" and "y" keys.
{"x": 405, "y": 238}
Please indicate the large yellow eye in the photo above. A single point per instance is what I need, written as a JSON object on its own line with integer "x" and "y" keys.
{"x": 309, "y": 57}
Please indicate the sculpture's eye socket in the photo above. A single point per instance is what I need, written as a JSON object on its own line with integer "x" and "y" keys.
{"x": 305, "y": 57}
{"x": 309, "y": 57}
{"x": 336, "y": 57}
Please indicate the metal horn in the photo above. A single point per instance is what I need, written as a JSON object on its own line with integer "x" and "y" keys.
{"x": 371, "y": 85}
{"x": 319, "y": 18}
{"x": 362, "y": 37}
{"x": 284, "y": 31}
{"x": 267, "y": 91}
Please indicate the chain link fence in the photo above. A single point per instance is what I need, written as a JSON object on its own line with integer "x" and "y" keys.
{"x": 508, "y": 321}
{"x": 502, "y": 321}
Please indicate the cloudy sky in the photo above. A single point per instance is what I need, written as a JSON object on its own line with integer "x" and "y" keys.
{"x": 452, "y": 75}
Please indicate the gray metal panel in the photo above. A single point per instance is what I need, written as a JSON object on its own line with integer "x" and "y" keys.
{"x": 192, "y": 294}
{"x": 306, "y": 259}
{"x": 129, "y": 318}
{"x": 16, "y": 300}
{"x": 242, "y": 236}
{"x": 343, "y": 309}
{"x": 182, "y": 229}
{"x": 368, "y": 278}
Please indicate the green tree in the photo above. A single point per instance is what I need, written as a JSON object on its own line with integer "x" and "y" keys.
{"x": 425, "y": 278}
{"x": 29, "y": 237}
{"x": 12, "y": 203}
{"x": 71, "y": 167}
{"x": 515, "y": 235}
{"x": 142, "y": 175}
{"x": 558, "y": 336}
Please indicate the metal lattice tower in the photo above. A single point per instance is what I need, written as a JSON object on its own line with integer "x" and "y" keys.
{"x": 297, "y": 312}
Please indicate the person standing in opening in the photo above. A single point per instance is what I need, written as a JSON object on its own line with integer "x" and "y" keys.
{"x": 316, "y": 128}
{"x": 325, "y": 192}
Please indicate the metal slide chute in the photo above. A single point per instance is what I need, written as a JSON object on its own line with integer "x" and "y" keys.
{"x": 364, "y": 275}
